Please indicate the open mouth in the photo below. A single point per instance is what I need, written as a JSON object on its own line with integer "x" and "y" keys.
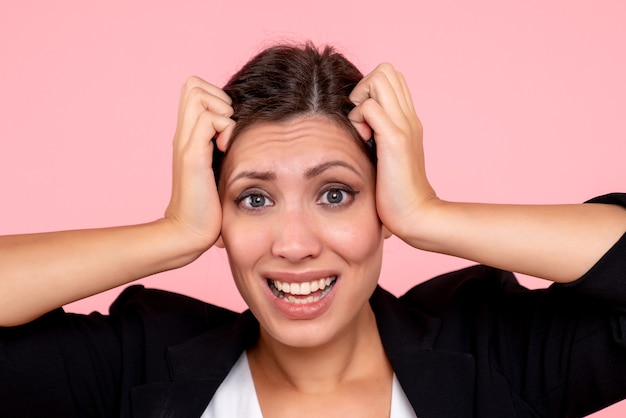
{"x": 304, "y": 292}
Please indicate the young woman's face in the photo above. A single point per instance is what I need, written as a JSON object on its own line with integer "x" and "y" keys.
{"x": 300, "y": 228}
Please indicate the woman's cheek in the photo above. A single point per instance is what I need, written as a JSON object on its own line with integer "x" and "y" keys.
{"x": 245, "y": 239}
{"x": 357, "y": 237}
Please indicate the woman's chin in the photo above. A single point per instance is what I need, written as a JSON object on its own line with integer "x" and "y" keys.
{"x": 316, "y": 333}
{"x": 300, "y": 335}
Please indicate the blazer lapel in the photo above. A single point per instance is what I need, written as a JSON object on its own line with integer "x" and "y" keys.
{"x": 437, "y": 383}
{"x": 197, "y": 368}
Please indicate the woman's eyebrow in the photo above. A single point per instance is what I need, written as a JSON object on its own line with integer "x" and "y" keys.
{"x": 310, "y": 173}
{"x": 254, "y": 175}
{"x": 320, "y": 168}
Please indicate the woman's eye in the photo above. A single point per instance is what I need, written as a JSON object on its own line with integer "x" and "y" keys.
{"x": 256, "y": 200}
{"x": 335, "y": 196}
{"x": 253, "y": 201}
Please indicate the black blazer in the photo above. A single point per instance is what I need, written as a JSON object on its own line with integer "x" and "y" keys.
{"x": 468, "y": 343}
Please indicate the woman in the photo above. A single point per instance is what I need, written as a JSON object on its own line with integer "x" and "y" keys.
{"x": 302, "y": 201}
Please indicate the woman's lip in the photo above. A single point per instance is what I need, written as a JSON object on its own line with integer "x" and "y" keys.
{"x": 291, "y": 277}
{"x": 302, "y": 311}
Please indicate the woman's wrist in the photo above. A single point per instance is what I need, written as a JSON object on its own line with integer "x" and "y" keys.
{"x": 422, "y": 228}
{"x": 183, "y": 245}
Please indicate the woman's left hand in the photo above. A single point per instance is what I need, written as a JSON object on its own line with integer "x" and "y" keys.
{"x": 556, "y": 242}
{"x": 384, "y": 106}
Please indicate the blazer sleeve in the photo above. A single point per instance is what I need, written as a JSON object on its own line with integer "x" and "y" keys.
{"x": 564, "y": 349}
{"x": 69, "y": 365}
{"x": 555, "y": 352}
{"x": 60, "y": 365}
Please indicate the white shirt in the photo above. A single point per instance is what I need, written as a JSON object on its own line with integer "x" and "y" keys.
{"x": 236, "y": 396}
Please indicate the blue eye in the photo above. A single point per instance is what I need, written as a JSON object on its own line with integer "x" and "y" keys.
{"x": 253, "y": 200}
{"x": 256, "y": 200}
{"x": 336, "y": 196}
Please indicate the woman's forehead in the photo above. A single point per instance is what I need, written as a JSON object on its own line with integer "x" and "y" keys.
{"x": 295, "y": 141}
{"x": 310, "y": 130}
{"x": 310, "y": 124}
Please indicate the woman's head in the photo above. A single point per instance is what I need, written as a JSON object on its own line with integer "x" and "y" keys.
{"x": 286, "y": 81}
{"x": 297, "y": 187}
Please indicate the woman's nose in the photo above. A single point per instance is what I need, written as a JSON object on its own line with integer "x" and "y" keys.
{"x": 295, "y": 236}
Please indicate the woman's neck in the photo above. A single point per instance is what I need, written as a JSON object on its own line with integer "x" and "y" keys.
{"x": 354, "y": 355}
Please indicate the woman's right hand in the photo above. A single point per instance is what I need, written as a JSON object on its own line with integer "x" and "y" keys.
{"x": 203, "y": 114}
{"x": 80, "y": 263}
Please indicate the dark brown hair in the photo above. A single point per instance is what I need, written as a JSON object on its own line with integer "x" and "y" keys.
{"x": 286, "y": 81}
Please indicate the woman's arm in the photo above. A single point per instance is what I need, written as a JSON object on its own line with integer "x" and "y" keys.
{"x": 558, "y": 242}
{"x": 40, "y": 272}
{"x": 555, "y": 242}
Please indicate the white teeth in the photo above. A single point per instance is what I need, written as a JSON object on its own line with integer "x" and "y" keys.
{"x": 302, "y": 301}
{"x": 304, "y": 289}
{"x": 295, "y": 289}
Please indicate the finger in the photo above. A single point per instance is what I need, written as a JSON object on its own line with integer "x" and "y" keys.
{"x": 209, "y": 125}
{"x": 197, "y": 82}
{"x": 406, "y": 94}
{"x": 364, "y": 130}
{"x": 363, "y": 90}
{"x": 371, "y": 114}
{"x": 199, "y": 146}
{"x": 200, "y": 101}
{"x": 404, "y": 98}
{"x": 398, "y": 84}
{"x": 357, "y": 118}
{"x": 383, "y": 86}
{"x": 223, "y": 137}
{"x": 189, "y": 94}
{"x": 414, "y": 120}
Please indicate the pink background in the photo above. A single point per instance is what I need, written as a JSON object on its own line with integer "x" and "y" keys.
{"x": 521, "y": 102}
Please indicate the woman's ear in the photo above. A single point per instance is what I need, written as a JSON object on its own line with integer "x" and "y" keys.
{"x": 220, "y": 242}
